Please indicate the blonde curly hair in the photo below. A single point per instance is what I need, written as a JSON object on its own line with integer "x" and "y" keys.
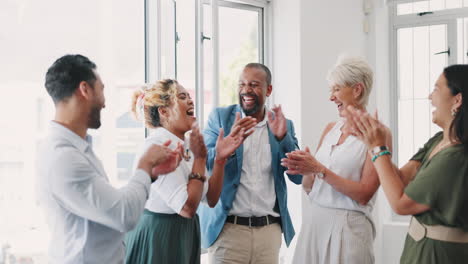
{"x": 145, "y": 103}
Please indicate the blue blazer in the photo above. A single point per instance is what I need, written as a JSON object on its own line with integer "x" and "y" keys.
{"x": 212, "y": 219}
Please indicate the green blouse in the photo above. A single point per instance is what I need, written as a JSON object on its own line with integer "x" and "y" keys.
{"x": 441, "y": 183}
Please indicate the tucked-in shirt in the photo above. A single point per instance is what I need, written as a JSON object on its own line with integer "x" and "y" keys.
{"x": 345, "y": 160}
{"x": 441, "y": 183}
{"x": 256, "y": 192}
{"x": 169, "y": 193}
{"x": 86, "y": 215}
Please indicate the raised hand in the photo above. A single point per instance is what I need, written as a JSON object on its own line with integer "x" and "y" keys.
{"x": 277, "y": 123}
{"x": 246, "y": 124}
{"x": 171, "y": 163}
{"x": 157, "y": 155}
{"x": 225, "y": 146}
{"x": 197, "y": 144}
{"x": 368, "y": 129}
{"x": 301, "y": 162}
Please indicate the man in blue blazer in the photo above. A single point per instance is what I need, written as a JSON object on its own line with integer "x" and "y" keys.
{"x": 246, "y": 224}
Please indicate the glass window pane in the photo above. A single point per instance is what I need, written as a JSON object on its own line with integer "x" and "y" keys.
{"x": 422, "y": 122}
{"x": 435, "y": 5}
{"x": 418, "y": 69}
{"x": 404, "y": 9}
{"x": 421, "y": 62}
{"x": 437, "y": 43}
{"x": 431, "y": 5}
{"x": 420, "y": 6}
{"x": 405, "y": 131}
{"x": 453, "y": 4}
{"x": 405, "y": 63}
{"x": 185, "y": 27}
{"x": 57, "y": 28}
{"x": 168, "y": 37}
{"x": 208, "y": 89}
{"x": 238, "y": 45}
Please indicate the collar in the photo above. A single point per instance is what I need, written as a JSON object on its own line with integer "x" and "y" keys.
{"x": 72, "y": 137}
{"x": 161, "y": 132}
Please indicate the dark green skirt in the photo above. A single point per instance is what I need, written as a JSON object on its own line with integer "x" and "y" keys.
{"x": 163, "y": 238}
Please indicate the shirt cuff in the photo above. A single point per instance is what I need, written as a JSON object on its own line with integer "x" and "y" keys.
{"x": 142, "y": 177}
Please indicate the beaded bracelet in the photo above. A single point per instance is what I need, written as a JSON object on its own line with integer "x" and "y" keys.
{"x": 385, "y": 152}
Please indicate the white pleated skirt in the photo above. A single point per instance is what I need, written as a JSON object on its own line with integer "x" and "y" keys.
{"x": 334, "y": 236}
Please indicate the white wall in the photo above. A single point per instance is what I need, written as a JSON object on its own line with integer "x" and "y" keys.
{"x": 287, "y": 88}
{"x": 308, "y": 36}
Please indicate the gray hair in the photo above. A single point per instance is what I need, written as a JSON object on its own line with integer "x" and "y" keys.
{"x": 349, "y": 71}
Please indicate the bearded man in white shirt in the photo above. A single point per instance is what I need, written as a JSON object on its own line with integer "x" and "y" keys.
{"x": 87, "y": 216}
{"x": 246, "y": 224}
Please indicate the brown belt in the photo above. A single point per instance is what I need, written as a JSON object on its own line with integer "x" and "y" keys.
{"x": 419, "y": 231}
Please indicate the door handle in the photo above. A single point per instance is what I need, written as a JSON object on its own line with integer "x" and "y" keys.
{"x": 443, "y": 52}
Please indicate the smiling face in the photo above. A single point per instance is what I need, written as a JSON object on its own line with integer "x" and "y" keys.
{"x": 343, "y": 96}
{"x": 180, "y": 115}
{"x": 253, "y": 90}
{"x": 442, "y": 101}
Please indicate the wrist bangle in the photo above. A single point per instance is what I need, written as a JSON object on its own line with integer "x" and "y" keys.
{"x": 197, "y": 176}
{"x": 382, "y": 153}
{"x": 220, "y": 161}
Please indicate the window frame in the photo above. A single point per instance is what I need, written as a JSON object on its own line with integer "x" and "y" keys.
{"x": 448, "y": 17}
{"x": 153, "y": 35}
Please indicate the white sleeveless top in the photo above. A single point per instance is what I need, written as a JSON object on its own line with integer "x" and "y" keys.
{"x": 345, "y": 160}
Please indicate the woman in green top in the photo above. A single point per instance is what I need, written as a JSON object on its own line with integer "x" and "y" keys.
{"x": 433, "y": 185}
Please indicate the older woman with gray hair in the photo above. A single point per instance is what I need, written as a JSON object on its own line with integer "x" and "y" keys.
{"x": 340, "y": 181}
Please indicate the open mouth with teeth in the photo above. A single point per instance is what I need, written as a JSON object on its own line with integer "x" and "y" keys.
{"x": 249, "y": 101}
{"x": 340, "y": 106}
{"x": 191, "y": 112}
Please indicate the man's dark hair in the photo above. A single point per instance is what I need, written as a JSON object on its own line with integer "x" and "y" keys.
{"x": 262, "y": 67}
{"x": 64, "y": 76}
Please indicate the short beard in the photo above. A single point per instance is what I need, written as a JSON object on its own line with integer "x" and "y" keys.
{"x": 257, "y": 107}
{"x": 94, "y": 119}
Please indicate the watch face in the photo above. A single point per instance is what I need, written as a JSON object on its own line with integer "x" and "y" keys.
{"x": 377, "y": 150}
{"x": 320, "y": 175}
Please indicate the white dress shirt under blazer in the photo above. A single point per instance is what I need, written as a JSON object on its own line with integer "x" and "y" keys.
{"x": 256, "y": 194}
{"x": 86, "y": 215}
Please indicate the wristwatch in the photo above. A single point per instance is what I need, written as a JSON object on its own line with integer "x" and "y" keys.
{"x": 197, "y": 176}
{"x": 378, "y": 149}
{"x": 320, "y": 175}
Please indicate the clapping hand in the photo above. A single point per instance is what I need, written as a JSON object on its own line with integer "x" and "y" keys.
{"x": 367, "y": 128}
{"x": 171, "y": 163}
{"x": 197, "y": 144}
{"x": 277, "y": 123}
{"x": 245, "y": 124}
{"x": 301, "y": 162}
{"x": 225, "y": 146}
{"x": 160, "y": 159}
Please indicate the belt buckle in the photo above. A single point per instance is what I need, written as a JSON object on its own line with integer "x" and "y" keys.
{"x": 250, "y": 221}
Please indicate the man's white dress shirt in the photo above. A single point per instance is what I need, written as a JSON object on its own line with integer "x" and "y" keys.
{"x": 86, "y": 215}
{"x": 256, "y": 194}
